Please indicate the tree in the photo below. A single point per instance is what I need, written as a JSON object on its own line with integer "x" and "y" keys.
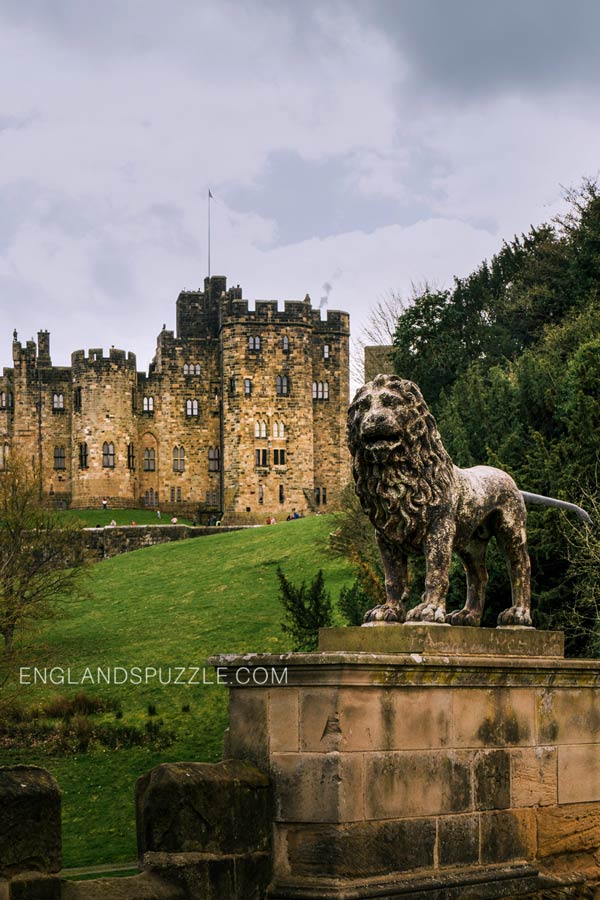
{"x": 41, "y": 559}
{"x": 307, "y": 609}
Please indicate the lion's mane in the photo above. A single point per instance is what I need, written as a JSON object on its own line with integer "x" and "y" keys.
{"x": 404, "y": 484}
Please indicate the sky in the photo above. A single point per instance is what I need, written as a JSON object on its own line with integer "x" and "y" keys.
{"x": 353, "y": 149}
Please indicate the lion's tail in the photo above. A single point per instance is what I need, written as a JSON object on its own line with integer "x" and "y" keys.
{"x": 540, "y": 500}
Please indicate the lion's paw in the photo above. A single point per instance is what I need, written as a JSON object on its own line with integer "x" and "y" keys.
{"x": 515, "y": 615}
{"x": 385, "y": 613}
{"x": 427, "y": 612}
{"x": 464, "y": 617}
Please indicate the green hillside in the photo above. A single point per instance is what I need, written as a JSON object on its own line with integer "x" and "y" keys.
{"x": 170, "y": 605}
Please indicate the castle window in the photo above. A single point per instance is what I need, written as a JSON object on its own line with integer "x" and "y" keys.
{"x": 83, "y": 456}
{"x": 59, "y": 458}
{"x": 148, "y": 405}
{"x": 10, "y": 400}
{"x": 191, "y": 407}
{"x": 281, "y": 429}
{"x": 149, "y": 459}
{"x": 279, "y": 457}
{"x": 58, "y": 402}
{"x": 281, "y": 494}
{"x": 178, "y": 459}
{"x": 77, "y": 399}
{"x": 179, "y": 495}
{"x": 131, "y": 457}
{"x": 151, "y": 498}
{"x": 4, "y": 451}
{"x": 214, "y": 459}
{"x": 285, "y": 344}
{"x": 247, "y": 387}
{"x": 133, "y": 401}
{"x": 3, "y": 400}
{"x": 196, "y": 369}
{"x": 326, "y": 391}
{"x": 232, "y": 385}
{"x": 186, "y": 369}
{"x": 108, "y": 455}
{"x": 172, "y": 495}
{"x": 324, "y": 496}
{"x": 257, "y": 429}
{"x": 263, "y": 429}
{"x": 254, "y": 342}
{"x": 320, "y": 390}
{"x": 318, "y": 496}
{"x": 325, "y": 351}
{"x": 314, "y": 390}
{"x": 261, "y": 457}
{"x": 282, "y": 386}
{"x": 261, "y": 494}
{"x": 275, "y": 429}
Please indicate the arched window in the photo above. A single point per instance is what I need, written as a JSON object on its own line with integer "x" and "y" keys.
{"x": 285, "y": 344}
{"x": 108, "y": 455}
{"x": 58, "y": 401}
{"x": 326, "y": 391}
{"x": 186, "y": 369}
{"x": 314, "y": 390}
{"x": 325, "y": 351}
{"x": 320, "y": 390}
{"x": 257, "y": 429}
{"x": 83, "y": 456}
{"x": 178, "y": 459}
{"x": 191, "y": 407}
{"x": 263, "y": 429}
{"x": 197, "y": 369}
{"x": 148, "y": 404}
{"x": 275, "y": 429}
{"x": 281, "y": 430}
{"x": 3, "y": 399}
{"x": 279, "y": 386}
{"x": 149, "y": 459}
{"x": 214, "y": 459}
{"x": 10, "y": 400}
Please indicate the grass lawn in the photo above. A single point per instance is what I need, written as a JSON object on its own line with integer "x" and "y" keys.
{"x": 169, "y": 605}
{"x": 92, "y": 517}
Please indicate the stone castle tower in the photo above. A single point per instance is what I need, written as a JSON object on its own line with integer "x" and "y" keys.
{"x": 240, "y": 417}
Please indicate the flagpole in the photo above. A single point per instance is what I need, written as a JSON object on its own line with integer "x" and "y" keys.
{"x": 209, "y": 198}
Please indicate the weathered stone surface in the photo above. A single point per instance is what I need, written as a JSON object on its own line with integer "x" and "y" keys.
{"x": 458, "y": 840}
{"x": 417, "y": 784}
{"x": 359, "y": 849}
{"x": 284, "y": 723}
{"x": 533, "y": 776}
{"x": 568, "y": 715}
{"x": 578, "y": 773}
{"x": 209, "y": 876}
{"x": 187, "y": 807}
{"x": 492, "y": 779}
{"x": 507, "y": 835}
{"x": 568, "y": 829}
{"x": 493, "y": 718}
{"x": 374, "y": 719}
{"x": 30, "y": 821}
{"x": 318, "y": 787}
{"x": 31, "y": 886}
{"x": 248, "y": 726}
{"x": 420, "y": 637}
{"x": 138, "y": 887}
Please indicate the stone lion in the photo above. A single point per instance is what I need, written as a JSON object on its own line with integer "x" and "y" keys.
{"x": 419, "y": 502}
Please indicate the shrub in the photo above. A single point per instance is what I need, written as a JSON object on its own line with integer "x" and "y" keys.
{"x": 306, "y": 610}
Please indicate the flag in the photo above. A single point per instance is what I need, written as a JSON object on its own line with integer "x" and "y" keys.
{"x": 210, "y": 196}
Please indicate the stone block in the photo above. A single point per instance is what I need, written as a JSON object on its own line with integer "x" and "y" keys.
{"x": 32, "y": 886}
{"x": 574, "y": 829}
{"x": 491, "y": 770}
{"x": 358, "y": 719}
{"x": 568, "y": 715}
{"x": 416, "y": 784}
{"x": 493, "y": 717}
{"x": 248, "y": 726}
{"x": 188, "y": 807}
{"x": 432, "y": 640}
{"x": 458, "y": 840}
{"x": 283, "y": 720}
{"x": 318, "y": 787}
{"x": 30, "y": 821}
{"x": 533, "y": 776}
{"x": 578, "y": 773}
{"x": 508, "y": 835}
{"x": 360, "y": 849}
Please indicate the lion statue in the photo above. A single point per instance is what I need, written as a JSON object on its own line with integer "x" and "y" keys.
{"x": 419, "y": 502}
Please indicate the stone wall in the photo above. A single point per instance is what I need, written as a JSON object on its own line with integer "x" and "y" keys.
{"x": 102, "y": 543}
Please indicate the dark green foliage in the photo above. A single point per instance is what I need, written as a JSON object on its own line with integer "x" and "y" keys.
{"x": 353, "y": 603}
{"x": 306, "y": 610}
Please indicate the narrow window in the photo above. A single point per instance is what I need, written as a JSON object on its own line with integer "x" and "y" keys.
{"x": 281, "y": 430}
{"x": 59, "y": 458}
{"x": 83, "y": 456}
{"x": 149, "y": 459}
{"x": 324, "y": 496}
{"x": 285, "y": 344}
{"x": 326, "y": 351}
{"x": 10, "y": 400}
{"x": 314, "y": 390}
{"x": 214, "y": 459}
{"x": 261, "y": 494}
{"x": 278, "y": 385}
{"x": 232, "y": 385}
{"x": 318, "y": 496}
{"x": 178, "y": 459}
{"x": 58, "y": 401}
{"x": 191, "y": 407}
{"x": 279, "y": 457}
{"x": 257, "y": 342}
{"x": 262, "y": 459}
{"x": 108, "y": 455}
{"x": 194, "y": 407}
{"x": 247, "y": 387}
{"x": 285, "y": 386}
{"x": 263, "y": 429}
{"x": 257, "y": 429}
{"x": 186, "y": 369}
{"x": 197, "y": 369}
{"x": 320, "y": 390}
{"x": 281, "y": 494}
{"x": 3, "y": 399}
{"x": 148, "y": 405}
{"x": 251, "y": 343}
{"x": 326, "y": 391}
{"x": 172, "y": 495}
{"x": 77, "y": 399}
{"x": 179, "y": 495}
{"x": 131, "y": 457}
{"x": 275, "y": 429}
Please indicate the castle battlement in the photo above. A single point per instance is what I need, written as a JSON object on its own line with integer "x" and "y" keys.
{"x": 96, "y": 359}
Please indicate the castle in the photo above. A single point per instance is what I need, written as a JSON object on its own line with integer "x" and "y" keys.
{"x": 240, "y": 418}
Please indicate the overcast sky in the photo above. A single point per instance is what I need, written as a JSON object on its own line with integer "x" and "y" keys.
{"x": 352, "y": 149}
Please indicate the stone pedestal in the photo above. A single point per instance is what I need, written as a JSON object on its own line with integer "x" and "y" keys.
{"x": 418, "y": 761}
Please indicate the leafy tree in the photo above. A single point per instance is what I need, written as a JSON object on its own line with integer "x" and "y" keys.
{"x": 41, "y": 560}
{"x": 306, "y": 610}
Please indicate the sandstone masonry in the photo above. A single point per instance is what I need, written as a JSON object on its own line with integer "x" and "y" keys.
{"x": 240, "y": 417}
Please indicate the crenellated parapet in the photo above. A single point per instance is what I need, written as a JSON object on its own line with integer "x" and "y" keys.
{"x": 96, "y": 360}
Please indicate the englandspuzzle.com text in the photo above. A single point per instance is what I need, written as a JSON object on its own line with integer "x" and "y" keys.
{"x": 194, "y": 676}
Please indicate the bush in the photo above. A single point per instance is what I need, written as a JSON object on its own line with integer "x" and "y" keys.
{"x": 306, "y": 610}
